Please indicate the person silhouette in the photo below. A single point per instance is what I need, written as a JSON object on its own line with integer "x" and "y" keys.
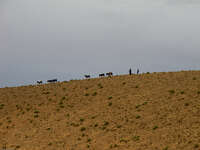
{"x": 137, "y": 71}
{"x": 130, "y": 71}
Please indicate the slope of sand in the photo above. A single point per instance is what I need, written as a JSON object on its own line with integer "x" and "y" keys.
{"x": 157, "y": 111}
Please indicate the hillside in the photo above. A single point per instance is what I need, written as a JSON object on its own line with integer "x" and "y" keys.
{"x": 156, "y": 111}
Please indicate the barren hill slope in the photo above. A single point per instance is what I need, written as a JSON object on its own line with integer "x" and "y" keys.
{"x": 158, "y": 111}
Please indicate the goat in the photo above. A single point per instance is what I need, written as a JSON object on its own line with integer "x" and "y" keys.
{"x": 87, "y": 76}
{"x": 102, "y": 75}
{"x": 51, "y": 81}
{"x": 109, "y": 74}
{"x": 39, "y": 82}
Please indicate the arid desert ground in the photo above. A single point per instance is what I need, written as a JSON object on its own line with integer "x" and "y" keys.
{"x": 156, "y": 111}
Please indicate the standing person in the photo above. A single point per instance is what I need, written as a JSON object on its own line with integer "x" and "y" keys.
{"x": 130, "y": 71}
{"x": 137, "y": 71}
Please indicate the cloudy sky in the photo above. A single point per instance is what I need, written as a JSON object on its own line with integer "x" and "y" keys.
{"x": 65, "y": 39}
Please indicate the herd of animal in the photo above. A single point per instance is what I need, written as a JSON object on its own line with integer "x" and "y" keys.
{"x": 108, "y": 74}
{"x": 48, "y": 81}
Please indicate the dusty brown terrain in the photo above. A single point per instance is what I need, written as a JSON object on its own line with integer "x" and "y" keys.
{"x": 157, "y": 111}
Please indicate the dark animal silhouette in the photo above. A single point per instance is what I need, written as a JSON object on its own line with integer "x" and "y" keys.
{"x": 102, "y": 75}
{"x": 52, "y": 81}
{"x": 87, "y": 76}
{"x": 109, "y": 74}
{"x": 39, "y": 82}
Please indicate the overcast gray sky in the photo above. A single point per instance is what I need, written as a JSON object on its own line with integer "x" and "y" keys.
{"x": 65, "y": 39}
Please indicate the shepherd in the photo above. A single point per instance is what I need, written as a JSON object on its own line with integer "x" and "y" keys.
{"x": 130, "y": 71}
{"x": 137, "y": 71}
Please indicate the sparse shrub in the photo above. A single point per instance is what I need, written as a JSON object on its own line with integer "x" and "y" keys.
{"x": 111, "y": 146}
{"x": 136, "y": 86}
{"x": 17, "y": 147}
{"x": 17, "y": 106}
{"x": 196, "y": 146}
{"x": 198, "y": 92}
{"x": 1, "y": 106}
{"x": 106, "y": 123}
{"x": 74, "y": 124}
{"x": 96, "y": 125}
{"x": 194, "y": 78}
{"x": 148, "y": 72}
{"x": 115, "y": 145}
{"x": 83, "y": 128}
{"x": 182, "y": 92}
{"x": 144, "y": 103}
{"x": 137, "y": 117}
{"x": 36, "y": 116}
{"x": 79, "y": 139}
{"x": 62, "y": 106}
{"x": 89, "y": 140}
{"x": 67, "y": 115}
{"x": 171, "y": 91}
{"x": 186, "y": 104}
{"x": 137, "y": 106}
{"x": 166, "y": 148}
{"x": 81, "y": 120}
{"x": 136, "y": 138}
{"x": 100, "y": 86}
{"x": 119, "y": 126}
{"x": 46, "y": 92}
{"x": 124, "y": 83}
{"x": 155, "y": 127}
{"x": 63, "y": 97}
{"x": 86, "y": 94}
{"x": 50, "y": 144}
{"x": 110, "y": 104}
{"x": 93, "y": 117}
{"x": 110, "y": 97}
{"x": 189, "y": 142}
{"x": 36, "y": 111}
{"x": 27, "y": 109}
{"x": 123, "y": 140}
{"x": 94, "y": 94}
{"x": 103, "y": 128}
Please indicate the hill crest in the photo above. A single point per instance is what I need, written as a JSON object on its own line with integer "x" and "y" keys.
{"x": 157, "y": 111}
